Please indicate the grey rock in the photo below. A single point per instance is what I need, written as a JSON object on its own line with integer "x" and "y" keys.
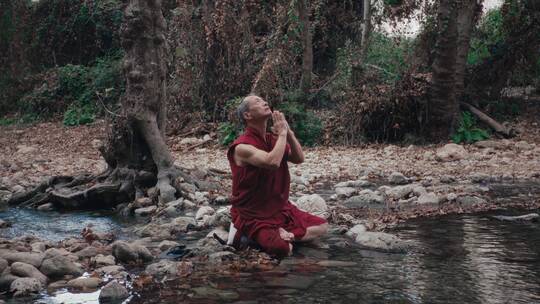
{"x": 222, "y": 217}
{"x": 204, "y": 210}
{"x": 4, "y": 224}
{"x": 451, "y": 152}
{"x": 354, "y": 183}
{"x": 110, "y": 270}
{"x": 125, "y": 253}
{"x": 46, "y": 207}
{"x": 142, "y": 202}
{"x": 22, "y": 287}
{"x": 216, "y": 294}
{"x": 3, "y": 265}
{"x": 166, "y": 245}
{"x": 533, "y": 217}
{"x": 28, "y": 271}
{"x": 480, "y": 178}
{"x": 397, "y": 178}
{"x": 220, "y": 232}
{"x": 345, "y": 191}
{"x": 447, "y": 179}
{"x": 38, "y": 247}
{"x": 365, "y": 199}
{"x": 428, "y": 199}
{"x": 381, "y": 241}
{"x": 6, "y": 279}
{"x": 58, "y": 266}
{"x": 313, "y": 204}
{"x": 470, "y": 200}
{"x": 146, "y": 211}
{"x": 103, "y": 260}
{"x": 84, "y": 283}
{"x": 163, "y": 268}
{"x": 31, "y": 258}
{"x": 187, "y": 187}
{"x": 113, "y": 292}
{"x": 87, "y": 252}
{"x": 218, "y": 258}
{"x": 399, "y": 192}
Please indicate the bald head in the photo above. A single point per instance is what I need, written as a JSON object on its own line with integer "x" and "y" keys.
{"x": 243, "y": 107}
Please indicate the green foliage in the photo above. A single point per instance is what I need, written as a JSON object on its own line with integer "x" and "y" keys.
{"x": 4, "y": 121}
{"x": 78, "y": 114}
{"x": 389, "y": 54}
{"x": 228, "y": 132}
{"x": 487, "y": 37}
{"x": 468, "y": 131}
{"x": 306, "y": 126}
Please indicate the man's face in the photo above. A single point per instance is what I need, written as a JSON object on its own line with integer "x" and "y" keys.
{"x": 258, "y": 109}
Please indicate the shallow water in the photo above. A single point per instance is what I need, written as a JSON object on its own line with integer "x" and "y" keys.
{"x": 55, "y": 226}
{"x": 458, "y": 259}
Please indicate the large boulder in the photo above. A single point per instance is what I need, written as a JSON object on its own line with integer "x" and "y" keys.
{"x": 22, "y": 287}
{"x": 113, "y": 292}
{"x": 3, "y": 265}
{"x": 59, "y": 266}
{"x": 31, "y": 258}
{"x": 84, "y": 283}
{"x": 6, "y": 278}
{"x": 366, "y": 199}
{"x": 28, "y": 271}
{"x": 451, "y": 152}
{"x": 126, "y": 253}
{"x": 163, "y": 268}
{"x": 313, "y": 204}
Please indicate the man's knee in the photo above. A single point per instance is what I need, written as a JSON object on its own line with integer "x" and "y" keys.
{"x": 272, "y": 243}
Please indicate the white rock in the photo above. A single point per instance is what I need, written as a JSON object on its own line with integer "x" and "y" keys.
{"x": 146, "y": 211}
{"x": 313, "y": 204}
{"x": 345, "y": 191}
{"x": 428, "y": 198}
{"x": 451, "y": 152}
{"x": 204, "y": 210}
{"x": 356, "y": 230}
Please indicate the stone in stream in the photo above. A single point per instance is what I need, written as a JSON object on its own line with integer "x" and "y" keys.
{"x": 34, "y": 259}
{"x": 378, "y": 241}
{"x": 58, "y": 266}
{"x": 3, "y": 265}
{"x": 146, "y": 211}
{"x": 113, "y": 292}
{"x": 366, "y": 199}
{"x": 428, "y": 199}
{"x": 214, "y": 293}
{"x": 397, "y": 192}
{"x": 110, "y": 270}
{"x": 6, "y": 278}
{"x": 28, "y": 271}
{"x": 84, "y": 283}
{"x": 125, "y": 253}
{"x": 4, "y": 224}
{"x": 46, "y": 207}
{"x": 451, "y": 152}
{"x": 22, "y": 287}
{"x": 87, "y": 252}
{"x": 533, "y": 217}
{"x": 204, "y": 210}
{"x": 397, "y": 178}
{"x": 345, "y": 191}
{"x": 313, "y": 204}
{"x": 353, "y": 183}
{"x": 103, "y": 260}
{"x": 470, "y": 200}
{"x": 163, "y": 268}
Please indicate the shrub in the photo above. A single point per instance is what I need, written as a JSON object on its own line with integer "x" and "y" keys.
{"x": 79, "y": 114}
{"x": 468, "y": 131}
{"x": 228, "y": 132}
{"x": 306, "y": 126}
{"x": 487, "y": 37}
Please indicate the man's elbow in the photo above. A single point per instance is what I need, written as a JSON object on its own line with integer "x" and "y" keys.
{"x": 297, "y": 160}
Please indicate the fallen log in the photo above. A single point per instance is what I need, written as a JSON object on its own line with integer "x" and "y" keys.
{"x": 533, "y": 217}
{"x": 497, "y": 127}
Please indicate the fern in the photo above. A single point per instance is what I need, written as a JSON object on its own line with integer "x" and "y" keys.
{"x": 468, "y": 132}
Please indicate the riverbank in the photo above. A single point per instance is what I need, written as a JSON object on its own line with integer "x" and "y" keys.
{"x": 361, "y": 191}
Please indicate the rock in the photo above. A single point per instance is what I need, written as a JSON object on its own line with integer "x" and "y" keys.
{"x": 87, "y": 252}
{"x": 46, "y": 207}
{"x": 300, "y": 180}
{"x": 28, "y": 271}
{"x": 22, "y": 149}
{"x": 313, "y": 204}
{"x": 345, "y": 191}
{"x": 397, "y": 178}
{"x": 38, "y": 247}
{"x": 353, "y": 183}
{"x": 451, "y": 197}
{"x": 31, "y": 258}
{"x": 163, "y": 269}
{"x": 3, "y": 265}
{"x": 110, "y": 270}
{"x": 142, "y": 202}
{"x": 331, "y": 263}
{"x": 103, "y": 260}
{"x": 523, "y": 146}
{"x": 480, "y": 178}
{"x": 53, "y": 252}
{"x": 58, "y": 266}
{"x": 470, "y": 200}
{"x": 222, "y": 217}
{"x": 428, "y": 199}
{"x": 489, "y": 144}
{"x": 399, "y": 192}
{"x": 447, "y": 179}
{"x": 533, "y": 217}
{"x": 365, "y": 199}
{"x": 6, "y": 279}
{"x": 207, "y": 246}
{"x": 218, "y": 258}
{"x": 204, "y": 210}
{"x": 156, "y": 231}
{"x": 84, "y": 283}
{"x": 220, "y": 232}
{"x": 126, "y": 253}
{"x": 146, "y": 211}
{"x": 4, "y": 224}
{"x": 22, "y": 287}
{"x": 113, "y": 292}
{"x": 221, "y": 200}
{"x": 166, "y": 245}
{"x": 356, "y": 230}
{"x": 381, "y": 241}
{"x": 188, "y": 188}
{"x": 451, "y": 152}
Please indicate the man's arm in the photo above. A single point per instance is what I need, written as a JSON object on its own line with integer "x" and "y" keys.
{"x": 244, "y": 153}
{"x": 297, "y": 155}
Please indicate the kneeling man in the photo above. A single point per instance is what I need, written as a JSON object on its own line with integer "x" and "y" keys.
{"x": 260, "y": 191}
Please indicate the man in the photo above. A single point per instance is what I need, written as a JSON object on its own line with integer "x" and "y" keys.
{"x": 260, "y": 192}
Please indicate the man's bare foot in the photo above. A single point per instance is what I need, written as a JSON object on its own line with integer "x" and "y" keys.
{"x": 285, "y": 235}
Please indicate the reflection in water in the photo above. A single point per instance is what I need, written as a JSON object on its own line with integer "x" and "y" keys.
{"x": 459, "y": 259}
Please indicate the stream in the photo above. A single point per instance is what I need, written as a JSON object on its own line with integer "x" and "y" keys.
{"x": 467, "y": 258}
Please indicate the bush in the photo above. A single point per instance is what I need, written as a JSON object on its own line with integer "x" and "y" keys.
{"x": 306, "y": 126}
{"x": 487, "y": 38}
{"x": 79, "y": 114}
{"x": 228, "y": 132}
{"x": 468, "y": 131}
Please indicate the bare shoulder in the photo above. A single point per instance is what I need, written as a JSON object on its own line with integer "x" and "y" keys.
{"x": 244, "y": 150}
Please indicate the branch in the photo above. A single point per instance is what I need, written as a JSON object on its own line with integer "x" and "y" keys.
{"x": 488, "y": 120}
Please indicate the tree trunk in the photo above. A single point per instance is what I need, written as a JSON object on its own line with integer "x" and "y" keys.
{"x": 443, "y": 107}
{"x": 307, "y": 58}
{"x": 136, "y": 152}
{"x": 465, "y": 24}
{"x": 366, "y": 30}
